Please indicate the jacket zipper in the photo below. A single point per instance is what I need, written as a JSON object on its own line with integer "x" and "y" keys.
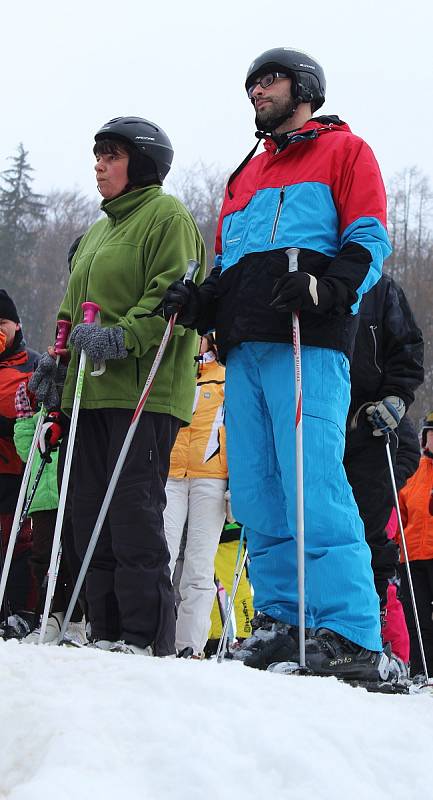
{"x": 277, "y": 214}
{"x": 372, "y": 329}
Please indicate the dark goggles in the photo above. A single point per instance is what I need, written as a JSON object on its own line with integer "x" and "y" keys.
{"x": 265, "y": 81}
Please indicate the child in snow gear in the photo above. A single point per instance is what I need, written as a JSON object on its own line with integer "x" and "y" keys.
{"x": 225, "y": 562}
{"x": 416, "y": 508}
{"x": 318, "y": 188}
{"x": 125, "y": 262}
{"x": 42, "y": 512}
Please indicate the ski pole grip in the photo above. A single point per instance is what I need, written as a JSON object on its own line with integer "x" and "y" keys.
{"x": 191, "y": 272}
{"x": 292, "y": 254}
{"x": 62, "y": 333}
{"x": 90, "y": 311}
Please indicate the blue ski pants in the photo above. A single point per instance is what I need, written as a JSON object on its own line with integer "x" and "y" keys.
{"x": 260, "y": 424}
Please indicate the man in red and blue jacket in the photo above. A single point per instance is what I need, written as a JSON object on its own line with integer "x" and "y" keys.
{"x": 316, "y": 187}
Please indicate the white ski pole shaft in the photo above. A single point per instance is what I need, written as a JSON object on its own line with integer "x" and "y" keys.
{"x": 406, "y": 557}
{"x": 63, "y": 327}
{"x": 191, "y": 271}
{"x": 90, "y": 309}
{"x": 292, "y": 254}
{"x": 222, "y": 644}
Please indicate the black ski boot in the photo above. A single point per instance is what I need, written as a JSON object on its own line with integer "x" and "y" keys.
{"x": 329, "y": 653}
{"x": 271, "y": 641}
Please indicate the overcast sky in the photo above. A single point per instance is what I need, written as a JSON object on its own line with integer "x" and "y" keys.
{"x": 66, "y": 68}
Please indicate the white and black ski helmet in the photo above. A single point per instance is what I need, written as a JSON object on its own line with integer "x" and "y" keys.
{"x": 148, "y": 139}
{"x": 308, "y": 77}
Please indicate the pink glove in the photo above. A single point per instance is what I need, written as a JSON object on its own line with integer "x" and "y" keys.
{"x": 23, "y": 406}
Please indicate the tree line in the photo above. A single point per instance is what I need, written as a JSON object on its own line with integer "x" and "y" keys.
{"x": 36, "y": 232}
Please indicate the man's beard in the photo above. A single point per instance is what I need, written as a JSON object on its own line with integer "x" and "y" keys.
{"x": 274, "y": 114}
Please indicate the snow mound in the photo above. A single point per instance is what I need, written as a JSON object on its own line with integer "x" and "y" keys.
{"x": 88, "y": 724}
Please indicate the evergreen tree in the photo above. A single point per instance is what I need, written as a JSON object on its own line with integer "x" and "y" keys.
{"x": 21, "y": 217}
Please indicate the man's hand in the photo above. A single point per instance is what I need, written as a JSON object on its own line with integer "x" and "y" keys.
{"x": 182, "y": 299}
{"x": 296, "y": 291}
{"x": 45, "y": 380}
{"x": 99, "y": 344}
{"x": 51, "y": 433}
{"x": 385, "y": 415}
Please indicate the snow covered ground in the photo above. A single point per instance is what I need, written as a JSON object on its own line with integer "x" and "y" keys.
{"x": 87, "y": 725}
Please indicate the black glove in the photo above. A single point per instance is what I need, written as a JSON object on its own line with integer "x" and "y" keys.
{"x": 296, "y": 291}
{"x": 182, "y": 299}
{"x": 45, "y": 380}
{"x": 99, "y": 344}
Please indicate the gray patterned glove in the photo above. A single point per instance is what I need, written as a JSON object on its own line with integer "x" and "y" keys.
{"x": 386, "y": 414}
{"x": 99, "y": 344}
{"x": 45, "y": 380}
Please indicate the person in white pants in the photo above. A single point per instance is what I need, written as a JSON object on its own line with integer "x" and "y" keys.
{"x": 196, "y": 493}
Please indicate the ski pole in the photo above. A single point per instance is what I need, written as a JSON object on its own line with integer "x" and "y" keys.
{"x": 292, "y": 254}
{"x": 193, "y": 266}
{"x": 63, "y": 328}
{"x": 239, "y": 568}
{"x": 6, "y": 606}
{"x": 406, "y": 557}
{"x": 90, "y": 310}
{"x": 32, "y": 492}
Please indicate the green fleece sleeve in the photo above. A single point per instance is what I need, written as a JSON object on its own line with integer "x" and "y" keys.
{"x": 23, "y": 435}
{"x": 166, "y": 253}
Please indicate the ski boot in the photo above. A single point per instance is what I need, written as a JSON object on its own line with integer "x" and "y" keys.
{"x": 188, "y": 652}
{"x": 18, "y": 626}
{"x": 270, "y": 642}
{"x": 329, "y": 653}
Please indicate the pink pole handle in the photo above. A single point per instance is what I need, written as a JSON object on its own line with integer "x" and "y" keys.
{"x": 62, "y": 333}
{"x": 90, "y": 311}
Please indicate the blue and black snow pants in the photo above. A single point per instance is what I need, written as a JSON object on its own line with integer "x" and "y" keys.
{"x": 260, "y": 423}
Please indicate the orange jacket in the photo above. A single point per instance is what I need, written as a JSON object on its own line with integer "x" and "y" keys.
{"x": 200, "y": 448}
{"x": 417, "y": 520}
{"x": 16, "y": 365}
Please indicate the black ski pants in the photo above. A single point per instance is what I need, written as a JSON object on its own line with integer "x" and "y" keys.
{"x": 422, "y": 580}
{"x": 368, "y": 473}
{"x": 128, "y": 586}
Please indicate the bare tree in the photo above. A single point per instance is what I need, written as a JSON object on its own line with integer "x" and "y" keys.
{"x": 201, "y": 189}
{"x": 68, "y": 215}
{"x": 410, "y": 201}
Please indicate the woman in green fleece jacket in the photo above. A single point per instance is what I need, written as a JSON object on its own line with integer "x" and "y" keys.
{"x": 124, "y": 263}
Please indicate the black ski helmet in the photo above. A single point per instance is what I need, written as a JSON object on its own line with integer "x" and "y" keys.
{"x": 427, "y": 425}
{"x": 148, "y": 140}
{"x": 309, "y": 84}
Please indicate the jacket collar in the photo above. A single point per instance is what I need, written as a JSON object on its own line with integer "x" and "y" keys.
{"x": 123, "y": 206}
{"x": 312, "y": 129}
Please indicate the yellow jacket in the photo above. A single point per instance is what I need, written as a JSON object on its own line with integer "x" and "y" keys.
{"x": 200, "y": 448}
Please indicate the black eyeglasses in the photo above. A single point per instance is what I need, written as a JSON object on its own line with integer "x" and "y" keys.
{"x": 265, "y": 81}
